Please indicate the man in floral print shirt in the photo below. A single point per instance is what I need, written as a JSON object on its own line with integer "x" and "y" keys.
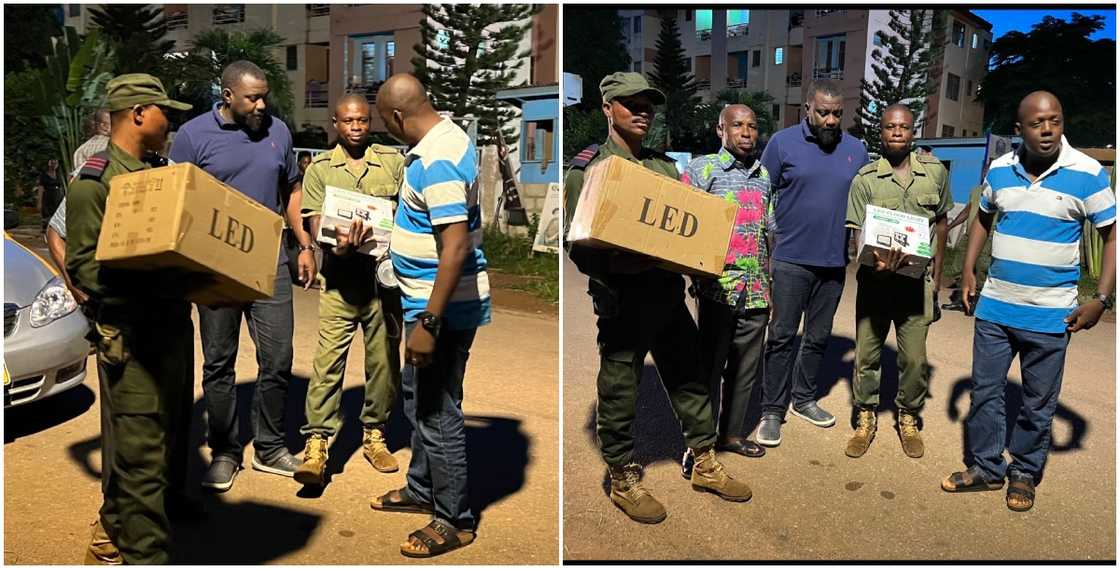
{"x": 734, "y": 309}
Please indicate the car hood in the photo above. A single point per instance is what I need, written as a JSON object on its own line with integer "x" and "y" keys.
{"x": 25, "y": 274}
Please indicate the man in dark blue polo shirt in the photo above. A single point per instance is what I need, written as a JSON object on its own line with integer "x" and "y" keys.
{"x": 811, "y": 167}
{"x": 242, "y": 145}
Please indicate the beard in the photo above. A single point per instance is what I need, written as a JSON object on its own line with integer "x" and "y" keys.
{"x": 828, "y": 137}
{"x": 251, "y": 121}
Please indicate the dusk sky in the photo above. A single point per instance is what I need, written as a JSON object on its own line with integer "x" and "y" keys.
{"x": 1004, "y": 21}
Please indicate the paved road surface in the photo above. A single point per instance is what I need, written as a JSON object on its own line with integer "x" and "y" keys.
{"x": 52, "y": 461}
{"x": 814, "y": 503}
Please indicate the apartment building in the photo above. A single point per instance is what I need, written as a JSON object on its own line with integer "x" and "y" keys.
{"x": 781, "y": 51}
{"x": 331, "y": 49}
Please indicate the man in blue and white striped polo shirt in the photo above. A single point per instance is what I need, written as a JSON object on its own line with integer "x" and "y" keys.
{"x": 1044, "y": 193}
{"x": 446, "y": 296}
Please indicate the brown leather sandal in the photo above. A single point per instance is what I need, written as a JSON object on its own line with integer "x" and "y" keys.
{"x": 426, "y": 536}
{"x": 971, "y": 480}
{"x": 1020, "y": 489}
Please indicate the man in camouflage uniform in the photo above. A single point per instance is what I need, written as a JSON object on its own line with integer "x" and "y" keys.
{"x": 145, "y": 343}
{"x": 350, "y": 296}
{"x": 916, "y": 184}
{"x": 641, "y": 310}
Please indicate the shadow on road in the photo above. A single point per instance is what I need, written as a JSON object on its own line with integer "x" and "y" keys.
{"x": 1013, "y": 401}
{"x": 24, "y": 420}
{"x": 244, "y": 533}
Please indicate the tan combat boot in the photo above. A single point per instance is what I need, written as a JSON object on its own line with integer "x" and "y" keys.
{"x": 377, "y": 452}
{"x": 865, "y": 433}
{"x": 314, "y": 468}
{"x": 908, "y": 433}
{"x": 101, "y": 550}
{"x": 635, "y": 501}
{"x": 708, "y": 475}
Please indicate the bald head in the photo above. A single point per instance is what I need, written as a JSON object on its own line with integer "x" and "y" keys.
{"x": 898, "y": 108}
{"x": 403, "y": 92}
{"x": 731, "y": 111}
{"x": 1038, "y": 100}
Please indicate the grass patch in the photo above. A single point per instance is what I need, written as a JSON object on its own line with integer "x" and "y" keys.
{"x": 513, "y": 255}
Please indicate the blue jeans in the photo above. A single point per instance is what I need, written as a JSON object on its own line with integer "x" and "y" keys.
{"x": 1042, "y": 358}
{"x": 433, "y": 403}
{"x": 798, "y": 290}
{"x": 270, "y": 326}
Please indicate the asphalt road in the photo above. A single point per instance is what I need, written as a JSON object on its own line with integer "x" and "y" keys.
{"x": 811, "y": 502}
{"x": 52, "y": 464}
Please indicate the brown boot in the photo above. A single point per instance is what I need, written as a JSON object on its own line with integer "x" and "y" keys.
{"x": 314, "y": 468}
{"x": 635, "y": 501}
{"x": 865, "y": 433}
{"x": 908, "y": 433}
{"x": 708, "y": 475}
{"x": 101, "y": 550}
{"x": 376, "y": 451}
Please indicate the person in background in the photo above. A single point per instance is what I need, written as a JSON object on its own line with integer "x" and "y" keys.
{"x": 49, "y": 192}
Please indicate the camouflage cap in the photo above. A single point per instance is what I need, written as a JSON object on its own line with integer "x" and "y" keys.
{"x": 625, "y": 83}
{"x": 131, "y": 89}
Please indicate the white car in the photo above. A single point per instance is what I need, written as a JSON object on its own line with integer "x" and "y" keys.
{"x": 45, "y": 346}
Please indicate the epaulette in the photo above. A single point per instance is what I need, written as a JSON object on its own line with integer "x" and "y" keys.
{"x": 383, "y": 149}
{"x": 928, "y": 159}
{"x": 659, "y": 154}
{"x": 584, "y": 157}
{"x": 94, "y": 166}
{"x": 321, "y": 156}
{"x": 869, "y": 168}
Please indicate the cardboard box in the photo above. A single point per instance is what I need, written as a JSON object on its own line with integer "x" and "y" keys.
{"x": 341, "y": 207}
{"x": 885, "y": 228}
{"x": 628, "y": 207}
{"x": 179, "y": 216}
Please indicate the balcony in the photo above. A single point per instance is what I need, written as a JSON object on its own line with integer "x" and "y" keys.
{"x": 315, "y": 97}
{"x": 314, "y": 10}
{"x": 793, "y": 79}
{"x": 703, "y": 35}
{"x": 228, "y": 14}
{"x": 736, "y": 83}
{"x": 823, "y": 13}
{"x": 369, "y": 90}
{"x": 175, "y": 21}
{"x": 796, "y": 18}
{"x": 835, "y": 74}
{"x": 738, "y": 30}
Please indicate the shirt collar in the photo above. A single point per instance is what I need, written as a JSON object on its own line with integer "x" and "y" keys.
{"x": 1066, "y": 158}
{"x": 339, "y": 156}
{"x": 727, "y": 161}
{"x": 440, "y": 128}
{"x": 124, "y": 159}
{"x": 805, "y": 131}
{"x": 222, "y": 122}
{"x": 618, "y": 150}
{"x": 884, "y": 169}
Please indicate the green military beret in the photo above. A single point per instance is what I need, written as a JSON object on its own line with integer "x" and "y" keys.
{"x": 131, "y": 89}
{"x": 625, "y": 83}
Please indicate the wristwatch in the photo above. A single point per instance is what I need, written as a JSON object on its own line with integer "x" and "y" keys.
{"x": 310, "y": 247}
{"x": 430, "y": 322}
{"x": 1106, "y": 300}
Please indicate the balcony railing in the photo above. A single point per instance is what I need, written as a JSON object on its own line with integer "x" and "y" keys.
{"x": 837, "y": 74}
{"x": 316, "y": 96}
{"x": 703, "y": 35}
{"x": 737, "y": 30}
{"x": 822, "y": 13}
{"x": 175, "y": 21}
{"x": 736, "y": 83}
{"x": 793, "y": 79}
{"x": 229, "y": 14}
{"x": 367, "y": 89}
{"x": 318, "y": 10}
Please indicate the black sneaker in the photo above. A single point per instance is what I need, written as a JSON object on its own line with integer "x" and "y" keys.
{"x": 687, "y": 462}
{"x": 770, "y": 430}
{"x": 814, "y": 414}
{"x": 282, "y": 464}
{"x": 219, "y": 477}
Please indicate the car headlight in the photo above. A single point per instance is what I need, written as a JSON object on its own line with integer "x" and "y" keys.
{"x": 52, "y": 303}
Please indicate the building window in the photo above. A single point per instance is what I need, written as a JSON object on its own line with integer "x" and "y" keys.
{"x": 968, "y": 91}
{"x": 314, "y": 10}
{"x": 948, "y": 130}
{"x": 369, "y": 63}
{"x": 877, "y": 39}
{"x": 776, "y": 113}
{"x": 953, "y": 88}
{"x": 779, "y": 55}
{"x": 637, "y": 67}
{"x": 703, "y": 25}
{"x": 830, "y": 57}
{"x": 738, "y": 22}
{"x": 958, "y": 34}
{"x": 637, "y": 24}
{"x": 975, "y": 40}
{"x": 228, "y": 14}
{"x": 538, "y": 141}
{"x": 75, "y": 10}
{"x": 292, "y": 58}
{"x": 756, "y": 58}
{"x": 390, "y": 56}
